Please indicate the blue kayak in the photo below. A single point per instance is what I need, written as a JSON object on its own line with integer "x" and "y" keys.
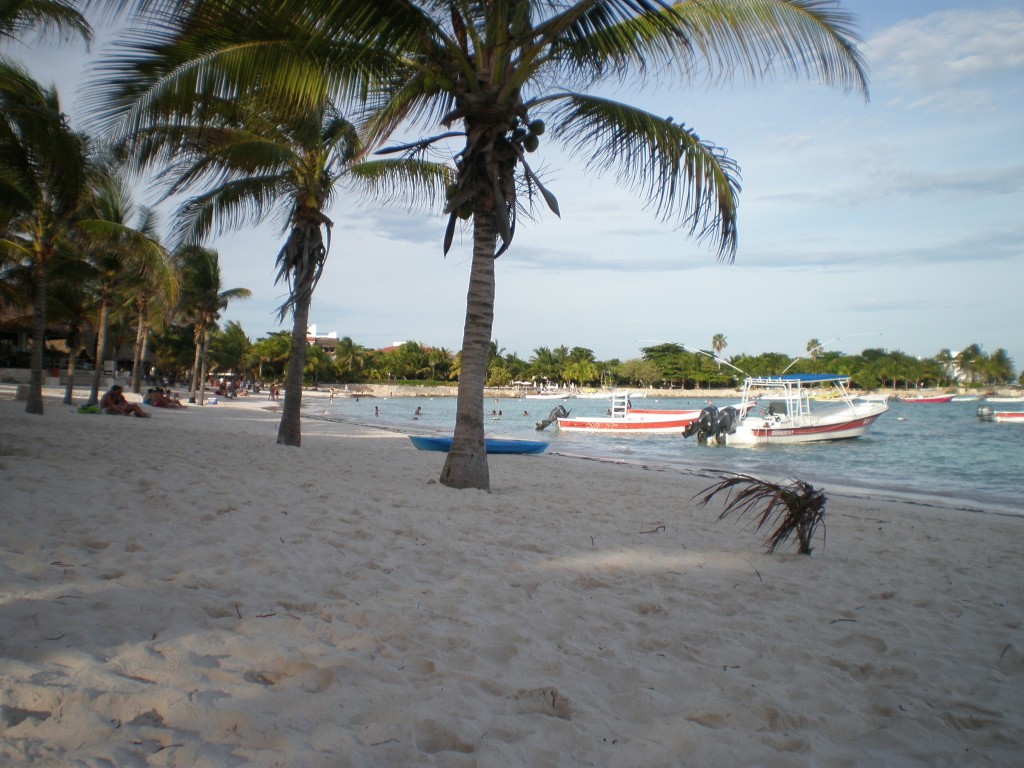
{"x": 493, "y": 444}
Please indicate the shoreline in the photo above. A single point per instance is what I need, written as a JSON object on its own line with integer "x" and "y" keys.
{"x": 207, "y": 597}
{"x": 921, "y": 497}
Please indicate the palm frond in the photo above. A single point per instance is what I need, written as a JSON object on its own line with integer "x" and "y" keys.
{"x": 227, "y": 206}
{"x": 170, "y": 62}
{"x": 415, "y": 183}
{"x": 239, "y": 156}
{"x": 403, "y": 101}
{"x": 45, "y": 19}
{"x": 796, "y": 508}
{"x": 682, "y": 177}
{"x": 815, "y": 38}
{"x": 590, "y": 41}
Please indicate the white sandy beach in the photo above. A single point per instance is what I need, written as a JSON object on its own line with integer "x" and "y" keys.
{"x": 182, "y": 591}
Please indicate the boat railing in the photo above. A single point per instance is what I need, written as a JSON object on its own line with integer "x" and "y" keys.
{"x": 620, "y": 405}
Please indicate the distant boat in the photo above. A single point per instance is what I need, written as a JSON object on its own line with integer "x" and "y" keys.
{"x": 1003, "y": 417}
{"x": 873, "y": 397}
{"x": 928, "y": 399}
{"x": 1017, "y": 399}
{"x": 492, "y": 444}
{"x": 554, "y": 394}
{"x": 966, "y": 398}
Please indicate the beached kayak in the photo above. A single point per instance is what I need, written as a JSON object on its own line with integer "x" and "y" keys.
{"x": 494, "y": 444}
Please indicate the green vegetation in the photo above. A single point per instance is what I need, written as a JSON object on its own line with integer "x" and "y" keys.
{"x": 664, "y": 366}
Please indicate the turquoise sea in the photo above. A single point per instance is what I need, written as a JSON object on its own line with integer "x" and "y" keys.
{"x": 937, "y": 450}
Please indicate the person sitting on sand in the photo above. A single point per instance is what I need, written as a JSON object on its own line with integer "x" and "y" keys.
{"x": 170, "y": 398}
{"x": 113, "y": 402}
{"x": 159, "y": 399}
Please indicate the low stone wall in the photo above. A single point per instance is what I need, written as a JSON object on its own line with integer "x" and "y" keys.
{"x": 14, "y": 375}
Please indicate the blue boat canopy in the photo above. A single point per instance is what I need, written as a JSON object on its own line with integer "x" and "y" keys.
{"x": 800, "y": 378}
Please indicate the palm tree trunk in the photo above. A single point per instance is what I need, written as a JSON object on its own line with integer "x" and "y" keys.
{"x": 289, "y": 432}
{"x": 69, "y": 388}
{"x": 466, "y": 464}
{"x": 34, "y": 402}
{"x": 140, "y": 338}
{"x": 101, "y": 351}
{"x": 196, "y": 364}
{"x": 143, "y": 350}
{"x": 207, "y": 332}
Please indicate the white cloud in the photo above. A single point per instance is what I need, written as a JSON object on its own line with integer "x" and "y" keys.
{"x": 949, "y": 50}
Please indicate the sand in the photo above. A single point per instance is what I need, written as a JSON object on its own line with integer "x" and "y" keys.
{"x": 182, "y": 591}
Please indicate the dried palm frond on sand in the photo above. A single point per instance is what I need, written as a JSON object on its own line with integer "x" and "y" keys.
{"x": 796, "y": 508}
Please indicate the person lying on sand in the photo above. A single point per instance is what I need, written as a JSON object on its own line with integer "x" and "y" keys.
{"x": 113, "y": 402}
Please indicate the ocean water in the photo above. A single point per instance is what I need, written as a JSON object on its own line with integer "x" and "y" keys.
{"x": 939, "y": 450}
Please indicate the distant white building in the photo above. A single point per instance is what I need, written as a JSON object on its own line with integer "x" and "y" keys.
{"x": 312, "y": 334}
{"x": 326, "y": 341}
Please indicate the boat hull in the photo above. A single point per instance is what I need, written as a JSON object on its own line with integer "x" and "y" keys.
{"x": 934, "y": 399}
{"x": 786, "y": 434}
{"x": 1008, "y": 417}
{"x": 492, "y": 444}
{"x": 635, "y": 424}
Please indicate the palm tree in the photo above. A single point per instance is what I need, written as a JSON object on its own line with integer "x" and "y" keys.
{"x": 1000, "y": 366}
{"x": 203, "y": 298}
{"x": 230, "y": 348}
{"x": 254, "y": 157}
{"x": 813, "y": 346}
{"x": 491, "y": 73}
{"x": 497, "y": 69}
{"x": 273, "y": 350}
{"x": 44, "y": 174}
{"x": 349, "y": 357}
{"x": 718, "y": 343}
{"x": 122, "y": 247}
{"x": 968, "y": 360}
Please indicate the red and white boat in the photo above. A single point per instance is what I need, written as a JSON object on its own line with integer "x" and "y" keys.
{"x": 928, "y": 399}
{"x": 784, "y": 414}
{"x": 624, "y": 419}
{"x": 1003, "y": 417}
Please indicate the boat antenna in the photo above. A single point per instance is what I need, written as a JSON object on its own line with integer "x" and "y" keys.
{"x": 815, "y": 349}
{"x": 717, "y": 359}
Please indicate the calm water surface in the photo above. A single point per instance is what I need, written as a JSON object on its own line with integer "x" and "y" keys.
{"x": 929, "y": 449}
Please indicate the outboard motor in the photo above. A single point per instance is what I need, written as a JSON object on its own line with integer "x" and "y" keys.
{"x": 704, "y": 425}
{"x": 728, "y": 417}
{"x": 558, "y": 412}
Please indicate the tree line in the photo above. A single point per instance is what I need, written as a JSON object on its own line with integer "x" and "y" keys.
{"x": 662, "y": 366}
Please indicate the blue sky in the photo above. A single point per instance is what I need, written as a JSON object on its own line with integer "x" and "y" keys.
{"x": 894, "y": 223}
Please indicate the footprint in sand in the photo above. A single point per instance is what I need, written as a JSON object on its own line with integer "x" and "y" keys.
{"x": 543, "y": 701}
{"x": 433, "y": 737}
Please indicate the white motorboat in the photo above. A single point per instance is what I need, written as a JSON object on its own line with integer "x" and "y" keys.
{"x": 624, "y": 419}
{"x": 1002, "y": 417}
{"x": 783, "y": 413}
